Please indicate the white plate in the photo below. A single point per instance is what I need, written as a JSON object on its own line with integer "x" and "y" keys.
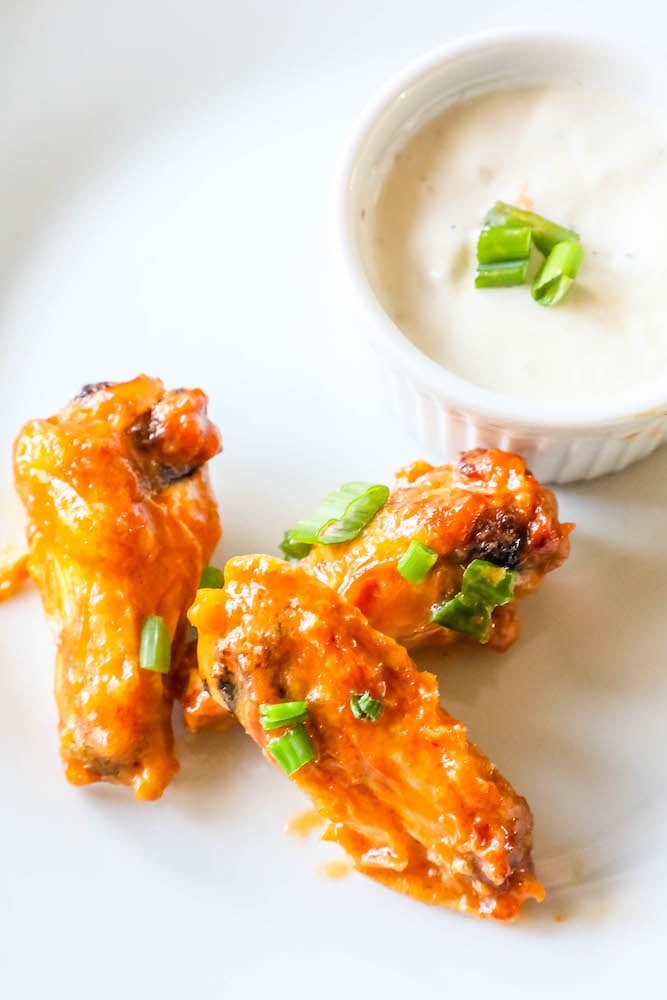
{"x": 166, "y": 206}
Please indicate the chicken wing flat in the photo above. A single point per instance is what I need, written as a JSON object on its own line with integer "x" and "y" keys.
{"x": 121, "y": 522}
{"x": 485, "y": 505}
{"x": 415, "y": 804}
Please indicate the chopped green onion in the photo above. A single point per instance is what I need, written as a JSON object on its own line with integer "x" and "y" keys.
{"x": 462, "y": 615}
{"x": 211, "y": 578}
{"x": 484, "y": 587}
{"x": 357, "y": 516}
{"x": 414, "y": 566}
{"x": 364, "y": 707}
{"x": 283, "y": 713}
{"x": 340, "y": 517}
{"x": 293, "y": 551}
{"x": 292, "y": 750}
{"x": 557, "y": 273}
{"x": 500, "y": 244}
{"x": 504, "y": 275}
{"x": 487, "y": 583}
{"x": 545, "y": 234}
{"x": 155, "y": 645}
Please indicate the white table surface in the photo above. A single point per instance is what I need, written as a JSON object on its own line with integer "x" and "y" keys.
{"x": 167, "y": 203}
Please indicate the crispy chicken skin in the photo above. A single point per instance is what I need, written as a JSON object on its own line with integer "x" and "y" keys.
{"x": 121, "y": 522}
{"x": 416, "y": 805}
{"x": 485, "y": 505}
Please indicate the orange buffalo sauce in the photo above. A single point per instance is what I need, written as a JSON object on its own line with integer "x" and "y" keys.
{"x": 304, "y": 823}
{"x": 13, "y": 571}
{"x": 333, "y": 870}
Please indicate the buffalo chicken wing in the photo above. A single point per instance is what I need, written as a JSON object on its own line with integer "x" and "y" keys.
{"x": 415, "y": 804}
{"x": 485, "y": 505}
{"x": 121, "y": 522}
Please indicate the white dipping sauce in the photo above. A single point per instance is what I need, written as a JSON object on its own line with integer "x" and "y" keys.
{"x": 583, "y": 159}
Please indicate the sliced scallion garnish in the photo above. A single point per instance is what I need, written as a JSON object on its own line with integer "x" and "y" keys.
{"x": 283, "y": 713}
{"x": 500, "y": 244}
{"x": 340, "y": 517}
{"x": 487, "y": 583}
{"x": 357, "y": 516}
{"x": 502, "y": 275}
{"x": 414, "y": 566}
{"x": 292, "y": 750}
{"x": 465, "y": 616}
{"x": 155, "y": 645}
{"x": 364, "y": 707}
{"x": 211, "y": 578}
{"x": 557, "y": 273}
{"x": 293, "y": 551}
{"x": 484, "y": 586}
{"x": 546, "y": 234}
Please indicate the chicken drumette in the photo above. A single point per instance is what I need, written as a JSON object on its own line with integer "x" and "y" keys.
{"x": 485, "y": 505}
{"x": 416, "y": 805}
{"x": 121, "y": 522}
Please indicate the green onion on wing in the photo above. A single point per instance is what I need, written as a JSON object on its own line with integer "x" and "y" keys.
{"x": 283, "y": 713}
{"x": 486, "y": 583}
{"x": 211, "y": 578}
{"x": 292, "y": 750}
{"x": 418, "y": 560}
{"x": 364, "y": 707}
{"x": 340, "y": 517}
{"x": 155, "y": 645}
{"x": 465, "y": 616}
{"x": 484, "y": 587}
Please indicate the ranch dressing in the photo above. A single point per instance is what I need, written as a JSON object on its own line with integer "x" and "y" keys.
{"x": 583, "y": 159}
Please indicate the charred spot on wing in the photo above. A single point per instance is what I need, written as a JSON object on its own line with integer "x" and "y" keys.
{"x": 471, "y": 463}
{"x": 227, "y": 689}
{"x": 92, "y": 387}
{"x": 169, "y": 474}
{"x": 469, "y": 470}
{"x": 498, "y": 539}
{"x": 143, "y": 431}
{"x": 147, "y": 435}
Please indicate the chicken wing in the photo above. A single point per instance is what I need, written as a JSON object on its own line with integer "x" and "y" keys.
{"x": 416, "y": 805}
{"x": 485, "y": 505}
{"x": 121, "y": 522}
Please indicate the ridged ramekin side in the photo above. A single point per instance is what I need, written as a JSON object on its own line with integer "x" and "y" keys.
{"x": 558, "y": 456}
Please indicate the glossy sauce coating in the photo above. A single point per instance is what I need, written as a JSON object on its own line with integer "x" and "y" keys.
{"x": 13, "y": 572}
{"x": 415, "y": 805}
{"x": 121, "y": 522}
{"x": 484, "y": 505}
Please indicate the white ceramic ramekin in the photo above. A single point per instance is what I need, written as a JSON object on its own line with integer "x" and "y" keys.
{"x": 560, "y": 442}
